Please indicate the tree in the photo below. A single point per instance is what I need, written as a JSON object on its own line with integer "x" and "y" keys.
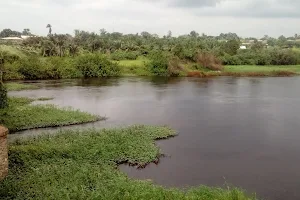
{"x": 169, "y": 35}
{"x": 194, "y": 34}
{"x": 231, "y": 47}
{"x": 60, "y": 40}
{"x": 26, "y": 31}
{"x": 145, "y": 35}
{"x": 50, "y": 29}
{"x": 103, "y": 32}
{"x": 257, "y": 46}
{"x": 9, "y": 33}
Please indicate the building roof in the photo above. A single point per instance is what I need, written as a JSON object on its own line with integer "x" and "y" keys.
{"x": 11, "y": 38}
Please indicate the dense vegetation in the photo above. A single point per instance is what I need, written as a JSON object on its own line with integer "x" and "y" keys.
{"x": 83, "y": 165}
{"x": 89, "y": 54}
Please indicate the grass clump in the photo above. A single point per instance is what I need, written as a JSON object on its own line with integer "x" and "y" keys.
{"x": 22, "y": 116}
{"x": 83, "y": 165}
{"x": 20, "y": 86}
{"x": 45, "y": 98}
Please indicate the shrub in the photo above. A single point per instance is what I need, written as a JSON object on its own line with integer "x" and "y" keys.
{"x": 3, "y": 96}
{"x": 263, "y": 57}
{"x": 9, "y": 57}
{"x": 123, "y": 55}
{"x": 284, "y": 57}
{"x": 96, "y": 65}
{"x": 158, "y": 65}
{"x": 209, "y": 61}
{"x": 231, "y": 60}
{"x": 174, "y": 67}
{"x": 57, "y": 67}
{"x": 31, "y": 68}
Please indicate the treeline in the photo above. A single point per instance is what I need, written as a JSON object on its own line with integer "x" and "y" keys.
{"x": 89, "y": 54}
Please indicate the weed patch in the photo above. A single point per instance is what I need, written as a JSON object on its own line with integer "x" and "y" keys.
{"x": 83, "y": 165}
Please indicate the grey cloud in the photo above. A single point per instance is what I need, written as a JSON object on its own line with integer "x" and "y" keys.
{"x": 194, "y": 3}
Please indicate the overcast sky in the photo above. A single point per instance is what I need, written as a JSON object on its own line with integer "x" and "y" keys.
{"x": 244, "y": 17}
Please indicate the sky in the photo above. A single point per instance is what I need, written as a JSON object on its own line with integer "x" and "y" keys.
{"x": 245, "y": 17}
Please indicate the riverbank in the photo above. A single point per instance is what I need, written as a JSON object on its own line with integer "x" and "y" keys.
{"x": 21, "y": 115}
{"x": 94, "y": 65}
{"x": 83, "y": 165}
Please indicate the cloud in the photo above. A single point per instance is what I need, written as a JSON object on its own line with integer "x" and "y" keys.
{"x": 194, "y": 3}
{"x": 245, "y": 17}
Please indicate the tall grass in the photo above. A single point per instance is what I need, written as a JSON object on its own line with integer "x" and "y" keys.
{"x": 83, "y": 165}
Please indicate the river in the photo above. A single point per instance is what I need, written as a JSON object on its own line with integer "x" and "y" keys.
{"x": 232, "y": 131}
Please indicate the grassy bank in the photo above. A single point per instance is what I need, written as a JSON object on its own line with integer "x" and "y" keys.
{"x": 83, "y": 165}
{"x": 20, "y": 115}
{"x": 21, "y": 66}
{"x": 19, "y": 86}
{"x": 139, "y": 68}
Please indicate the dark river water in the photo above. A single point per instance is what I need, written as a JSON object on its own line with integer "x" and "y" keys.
{"x": 239, "y": 131}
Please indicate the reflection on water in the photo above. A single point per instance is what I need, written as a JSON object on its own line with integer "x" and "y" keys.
{"x": 242, "y": 130}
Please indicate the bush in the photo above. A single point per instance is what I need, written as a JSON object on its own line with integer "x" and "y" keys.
{"x": 284, "y": 57}
{"x": 9, "y": 57}
{"x": 57, "y": 67}
{"x": 96, "y": 65}
{"x": 231, "y": 60}
{"x": 263, "y": 57}
{"x": 123, "y": 55}
{"x": 3, "y": 96}
{"x": 209, "y": 61}
{"x": 174, "y": 67}
{"x": 31, "y": 68}
{"x": 158, "y": 65}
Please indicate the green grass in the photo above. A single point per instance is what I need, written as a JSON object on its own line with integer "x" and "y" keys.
{"x": 138, "y": 68}
{"x": 134, "y": 67}
{"x": 83, "y": 165}
{"x": 255, "y": 68}
{"x": 20, "y": 115}
{"x": 19, "y": 86}
{"x": 14, "y": 50}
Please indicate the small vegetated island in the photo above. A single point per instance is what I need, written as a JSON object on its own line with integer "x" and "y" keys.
{"x": 76, "y": 164}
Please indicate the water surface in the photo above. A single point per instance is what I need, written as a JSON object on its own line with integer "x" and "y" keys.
{"x": 243, "y": 131}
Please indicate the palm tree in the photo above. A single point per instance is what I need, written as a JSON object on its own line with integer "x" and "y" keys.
{"x": 50, "y": 29}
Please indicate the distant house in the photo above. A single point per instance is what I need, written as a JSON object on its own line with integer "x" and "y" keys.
{"x": 22, "y": 37}
{"x": 243, "y": 47}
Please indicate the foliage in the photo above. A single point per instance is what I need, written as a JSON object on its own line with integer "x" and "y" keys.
{"x": 231, "y": 47}
{"x": 8, "y": 56}
{"x": 96, "y": 65}
{"x": 31, "y": 68}
{"x": 209, "y": 61}
{"x": 263, "y": 57}
{"x": 124, "y": 55}
{"x": 9, "y": 33}
{"x": 158, "y": 65}
{"x": 174, "y": 67}
{"x": 75, "y": 164}
{"x": 3, "y": 96}
{"x": 22, "y": 116}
